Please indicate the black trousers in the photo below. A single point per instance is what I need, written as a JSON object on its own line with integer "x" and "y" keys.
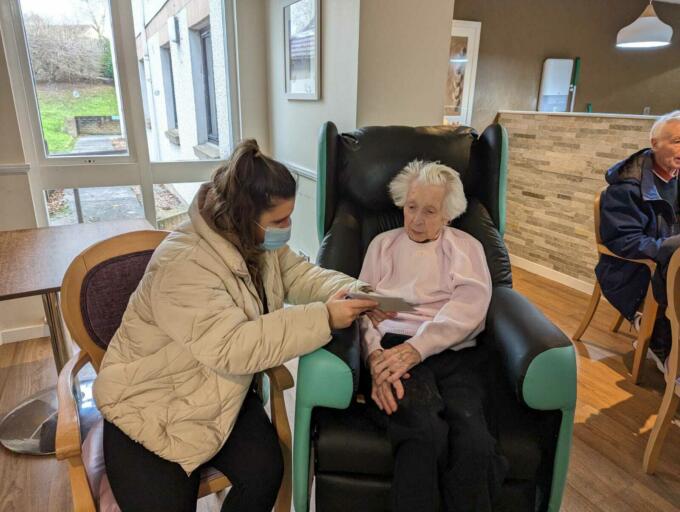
{"x": 661, "y": 339}
{"x": 661, "y": 335}
{"x": 251, "y": 459}
{"x": 443, "y": 450}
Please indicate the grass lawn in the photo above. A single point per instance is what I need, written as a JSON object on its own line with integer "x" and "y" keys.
{"x": 57, "y": 104}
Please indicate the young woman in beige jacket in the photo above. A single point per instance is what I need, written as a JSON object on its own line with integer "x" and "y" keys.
{"x": 175, "y": 386}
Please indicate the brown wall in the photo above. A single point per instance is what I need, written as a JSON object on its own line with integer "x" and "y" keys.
{"x": 518, "y": 35}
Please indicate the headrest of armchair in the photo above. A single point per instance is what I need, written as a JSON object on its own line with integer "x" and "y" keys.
{"x": 368, "y": 158}
{"x": 356, "y": 167}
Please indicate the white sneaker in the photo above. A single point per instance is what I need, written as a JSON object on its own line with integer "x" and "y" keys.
{"x": 659, "y": 363}
{"x": 637, "y": 321}
{"x": 650, "y": 353}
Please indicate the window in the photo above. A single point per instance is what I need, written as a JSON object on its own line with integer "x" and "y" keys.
{"x": 87, "y": 205}
{"x": 172, "y": 203}
{"x": 71, "y": 58}
{"x": 209, "y": 86}
{"x": 169, "y": 88}
{"x": 87, "y": 117}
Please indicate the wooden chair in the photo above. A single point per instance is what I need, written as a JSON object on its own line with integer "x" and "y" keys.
{"x": 93, "y": 273}
{"x": 669, "y": 403}
{"x": 649, "y": 309}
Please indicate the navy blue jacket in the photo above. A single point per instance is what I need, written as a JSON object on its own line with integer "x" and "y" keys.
{"x": 635, "y": 223}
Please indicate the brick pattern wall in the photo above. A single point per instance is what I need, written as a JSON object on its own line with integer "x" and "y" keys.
{"x": 556, "y": 166}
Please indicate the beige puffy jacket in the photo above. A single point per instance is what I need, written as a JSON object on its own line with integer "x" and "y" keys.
{"x": 178, "y": 368}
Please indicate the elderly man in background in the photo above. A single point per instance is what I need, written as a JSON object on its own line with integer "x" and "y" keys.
{"x": 639, "y": 219}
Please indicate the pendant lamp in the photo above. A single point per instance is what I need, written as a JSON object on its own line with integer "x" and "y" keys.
{"x": 648, "y": 31}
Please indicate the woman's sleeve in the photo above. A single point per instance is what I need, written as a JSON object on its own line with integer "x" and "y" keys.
{"x": 463, "y": 316}
{"x": 304, "y": 282}
{"x": 191, "y": 305}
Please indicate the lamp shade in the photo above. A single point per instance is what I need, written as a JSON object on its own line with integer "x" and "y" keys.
{"x": 648, "y": 31}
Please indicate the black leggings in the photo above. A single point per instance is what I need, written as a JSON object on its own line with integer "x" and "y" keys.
{"x": 251, "y": 459}
{"x": 443, "y": 450}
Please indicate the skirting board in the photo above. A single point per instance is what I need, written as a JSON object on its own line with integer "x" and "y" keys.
{"x": 30, "y": 332}
{"x": 551, "y": 274}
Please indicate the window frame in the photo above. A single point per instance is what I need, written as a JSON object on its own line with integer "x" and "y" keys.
{"x": 208, "y": 86}
{"x": 56, "y": 172}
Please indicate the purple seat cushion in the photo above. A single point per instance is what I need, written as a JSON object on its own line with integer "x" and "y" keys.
{"x": 106, "y": 291}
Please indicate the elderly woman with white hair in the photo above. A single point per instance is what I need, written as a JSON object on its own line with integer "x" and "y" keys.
{"x": 426, "y": 371}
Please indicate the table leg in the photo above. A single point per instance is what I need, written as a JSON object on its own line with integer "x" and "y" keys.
{"x": 31, "y": 426}
{"x": 60, "y": 344}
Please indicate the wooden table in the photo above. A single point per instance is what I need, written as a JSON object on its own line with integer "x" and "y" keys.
{"x": 33, "y": 262}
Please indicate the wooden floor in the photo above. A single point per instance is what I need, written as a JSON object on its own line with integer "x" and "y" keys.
{"x": 613, "y": 420}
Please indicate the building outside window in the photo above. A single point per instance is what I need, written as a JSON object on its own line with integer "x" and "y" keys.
{"x": 169, "y": 89}
{"x": 186, "y": 79}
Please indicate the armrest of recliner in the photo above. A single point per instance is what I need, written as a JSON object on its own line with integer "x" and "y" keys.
{"x": 540, "y": 362}
{"x": 346, "y": 346}
{"x": 538, "y": 357}
{"x": 327, "y": 377}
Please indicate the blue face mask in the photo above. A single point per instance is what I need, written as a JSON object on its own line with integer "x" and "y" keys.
{"x": 275, "y": 238}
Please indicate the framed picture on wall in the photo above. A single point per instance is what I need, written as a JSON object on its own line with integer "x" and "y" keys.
{"x": 462, "y": 69}
{"x": 302, "y": 47}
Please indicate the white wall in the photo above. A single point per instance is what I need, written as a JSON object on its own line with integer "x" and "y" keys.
{"x": 403, "y": 58}
{"x": 294, "y": 124}
{"x": 304, "y": 239}
{"x": 252, "y": 46}
{"x": 16, "y": 206}
{"x": 16, "y": 212}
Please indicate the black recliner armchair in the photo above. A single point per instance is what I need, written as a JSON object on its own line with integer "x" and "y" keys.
{"x": 535, "y": 394}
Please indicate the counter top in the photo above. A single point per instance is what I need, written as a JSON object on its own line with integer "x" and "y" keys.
{"x": 577, "y": 114}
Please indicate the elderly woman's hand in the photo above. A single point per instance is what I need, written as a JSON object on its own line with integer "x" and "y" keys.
{"x": 382, "y": 394}
{"x": 395, "y": 363}
{"x": 377, "y": 315}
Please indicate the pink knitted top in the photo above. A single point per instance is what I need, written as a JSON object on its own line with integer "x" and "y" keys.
{"x": 446, "y": 279}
